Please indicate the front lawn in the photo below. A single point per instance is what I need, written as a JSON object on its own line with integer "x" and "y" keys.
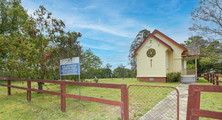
{"x": 45, "y": 106}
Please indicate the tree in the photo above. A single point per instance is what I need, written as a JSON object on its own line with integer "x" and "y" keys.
{"x": 12, "y": 17}
{"x": 120, "y": 71}
{"x": 100, "y": 73}
{"x": 90, "y": 63}
{"x": 207, "y": 19}
{"x": 210, "y": 53}
{"x": 36, "y": 53}
{"x": 129, "y": 73}
{"x": 196, "y": 45}
{"x": 141, "y": 36}
{"x": 107, "y": 69}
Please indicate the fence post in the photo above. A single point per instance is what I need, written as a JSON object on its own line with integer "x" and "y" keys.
{"x": 208, "y": 77}
{"x": 29, "y": 91}
{"x": 217, "y": 80}
{"x": 193, "y": 101}
{"x": 9, "y": 88}
{"x": 213, "y": 79}
{"x": 124, "y": 101}
{"x": 63, "y": 98}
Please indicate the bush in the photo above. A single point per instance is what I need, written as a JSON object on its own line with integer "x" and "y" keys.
{"x": 173, "y": 76}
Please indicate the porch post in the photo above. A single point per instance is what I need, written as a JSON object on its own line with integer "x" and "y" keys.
{"x": 183, "y": 66}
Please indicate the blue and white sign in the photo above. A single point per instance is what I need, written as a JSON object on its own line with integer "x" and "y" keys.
{"x": 69, "y": 66}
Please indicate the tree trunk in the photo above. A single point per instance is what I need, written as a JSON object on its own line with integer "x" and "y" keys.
{"x": 40, "y": 87}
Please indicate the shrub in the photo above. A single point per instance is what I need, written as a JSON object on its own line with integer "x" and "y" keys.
{"x": 173, "y": 76}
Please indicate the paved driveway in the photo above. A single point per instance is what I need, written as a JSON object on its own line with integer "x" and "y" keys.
{"x": 167, "y": 108}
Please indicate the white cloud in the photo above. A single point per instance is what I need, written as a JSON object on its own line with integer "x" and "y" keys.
{"x": 107, "y": 29}
{"x": 100, "y": 47}
{"x": 86, "y": 8}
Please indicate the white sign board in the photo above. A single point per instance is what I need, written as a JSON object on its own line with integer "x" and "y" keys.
{"x": 69, "y": 66}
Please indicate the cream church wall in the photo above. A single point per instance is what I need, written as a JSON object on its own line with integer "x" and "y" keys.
{"x": 158, "y": 68}
{"x": 176, "y": 54}
{"x": 169, "y": 55}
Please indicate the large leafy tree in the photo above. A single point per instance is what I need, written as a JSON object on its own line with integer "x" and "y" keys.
{"x": 108, "y": 70}
{"x": 207, "y": 19}
{"x": 90, "y": 64}
{"x": 120, "y": 71}
{"x": 38, "y": 50}
{"x": 13, "y": 16}
{"x": 134, "y": 45}
{"x": 129, "y": 73}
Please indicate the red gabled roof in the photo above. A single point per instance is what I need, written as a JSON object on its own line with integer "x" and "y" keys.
{"x": 156, "y": 38}
{"x": 174, "y": 42}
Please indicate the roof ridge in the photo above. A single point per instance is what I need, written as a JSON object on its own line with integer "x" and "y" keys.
{"x": 171, "y": 40}
{"x": 165, "y": 44}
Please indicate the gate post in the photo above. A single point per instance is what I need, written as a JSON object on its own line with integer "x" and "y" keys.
{"x": 124, "y": 101}
{"x": 193, "y": 101}
{"x": 9, "y": 88}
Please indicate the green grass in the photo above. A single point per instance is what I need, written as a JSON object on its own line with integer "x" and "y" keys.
{"x": 209, "y": 100}
{"x": 45, "y": 106}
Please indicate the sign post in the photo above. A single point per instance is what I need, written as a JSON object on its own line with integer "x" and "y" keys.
{"x": 70, "y": 66}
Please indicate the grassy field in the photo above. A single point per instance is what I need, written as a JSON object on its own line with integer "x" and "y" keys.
{"x": 45, "y": 106}
{"x": 209, "y": 101}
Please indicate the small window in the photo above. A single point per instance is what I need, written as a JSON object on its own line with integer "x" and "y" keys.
{"x": 150, "y": 41}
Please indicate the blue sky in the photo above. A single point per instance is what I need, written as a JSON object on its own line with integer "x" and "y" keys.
{"x": 108, "y": 27}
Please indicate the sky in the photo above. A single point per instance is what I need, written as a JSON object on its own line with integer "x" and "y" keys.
{"x": 108, "y": 27}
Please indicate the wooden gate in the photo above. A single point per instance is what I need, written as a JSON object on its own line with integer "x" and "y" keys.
{"x": 146, "y": 102}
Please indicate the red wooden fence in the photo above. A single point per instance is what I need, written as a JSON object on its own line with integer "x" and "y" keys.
{"x": 193, "y": 106}
{"x": 63, "y": 94}
{"x": 213, "y": 78}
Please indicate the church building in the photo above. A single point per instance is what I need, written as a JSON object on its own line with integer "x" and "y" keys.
{"x": 158, "y": 55}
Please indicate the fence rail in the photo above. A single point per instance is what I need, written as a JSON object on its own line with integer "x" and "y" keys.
{"x": 213, "y": 78}
{"x": 193, "y": 106}
{"x": 135, "y": 94}
{"x": 63, "y": 94}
